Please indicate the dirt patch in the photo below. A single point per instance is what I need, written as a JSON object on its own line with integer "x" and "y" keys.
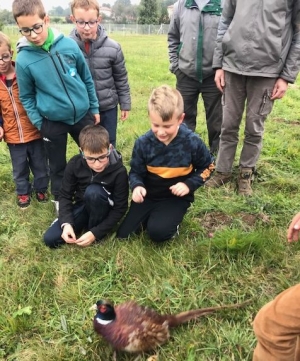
{"x": 214, "y": 221}
{"x": 289, "y": 122}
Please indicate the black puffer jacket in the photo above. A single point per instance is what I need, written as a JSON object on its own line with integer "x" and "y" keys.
{"x": 107, "y": 66}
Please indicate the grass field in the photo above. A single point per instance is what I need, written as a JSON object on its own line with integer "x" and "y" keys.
{"x": 230, "y": 249}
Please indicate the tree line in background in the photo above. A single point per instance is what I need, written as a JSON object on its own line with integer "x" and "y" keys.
{"x": 122, "y": 12}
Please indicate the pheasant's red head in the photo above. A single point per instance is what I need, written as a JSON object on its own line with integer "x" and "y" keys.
{"x": 105, "y": 310}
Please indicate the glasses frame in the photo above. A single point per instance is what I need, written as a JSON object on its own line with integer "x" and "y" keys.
{"x": 100, "y": 159}
{"x": 82, "y": 24}
{"x": 36, "y": 29}
{"x": 8, "y": 59}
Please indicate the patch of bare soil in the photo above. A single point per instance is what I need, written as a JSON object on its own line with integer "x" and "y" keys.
{"x": 214, "y": 221}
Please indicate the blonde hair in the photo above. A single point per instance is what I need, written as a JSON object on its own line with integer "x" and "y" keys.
{"x": 86, "y": 5}
{"x": 166, "y": 101}
{"x": 94, "y": 138}
{"x": 28, "y": 7}
{"x": 4, "y": 39}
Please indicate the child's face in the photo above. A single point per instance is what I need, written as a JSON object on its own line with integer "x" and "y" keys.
{"x": 5, "y": 59}
{"x": 34, "y": 28}
{"x": 165, "y": 131}
{"x": 86, "y": 22}
{"x": 97, "y": 162}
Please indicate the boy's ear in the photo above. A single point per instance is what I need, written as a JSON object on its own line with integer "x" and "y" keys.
{"x": 180, "y": 119}
{"x": 72, "y": 18}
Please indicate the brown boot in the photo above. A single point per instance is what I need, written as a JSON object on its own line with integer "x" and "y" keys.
{"x": 245, "y": 179}
{"x": 218, "y": 180}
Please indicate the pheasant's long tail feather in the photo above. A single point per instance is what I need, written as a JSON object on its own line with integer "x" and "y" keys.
{"x": 182, "y": 317}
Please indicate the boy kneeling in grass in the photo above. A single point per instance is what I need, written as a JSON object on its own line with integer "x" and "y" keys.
{"x": 168, "y": 164}
{"x": 94, "y": 192}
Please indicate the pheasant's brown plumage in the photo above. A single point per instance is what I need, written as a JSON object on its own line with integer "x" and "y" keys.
{"x": 135, "y": 328}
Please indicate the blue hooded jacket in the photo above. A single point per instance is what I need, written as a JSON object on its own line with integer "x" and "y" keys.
{"x": 57, "y": 84}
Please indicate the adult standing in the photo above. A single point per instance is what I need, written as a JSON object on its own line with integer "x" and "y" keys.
{"x": 256, "y": 56}
{"x": 191, "y": 41}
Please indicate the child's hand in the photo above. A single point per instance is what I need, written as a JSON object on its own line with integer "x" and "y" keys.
{"x": 180, "y": 189}
{"x": 124, "y": 114}
{"x": 68, "y": 234}
{"x": 86, "y": 239}
{"x": 97, "y": 118}
{"x": 294, "y": 229}
{"x": 138, "y": 194}
{"x": 1, "y": 133}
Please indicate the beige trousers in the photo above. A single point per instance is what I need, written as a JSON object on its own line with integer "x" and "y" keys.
{"x": 277, "y": 328}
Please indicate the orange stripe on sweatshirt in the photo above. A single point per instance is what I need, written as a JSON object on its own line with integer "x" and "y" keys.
{"x": 166, "y": 172}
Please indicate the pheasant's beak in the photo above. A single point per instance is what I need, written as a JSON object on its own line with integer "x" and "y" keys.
{"x": 93, "y": 308}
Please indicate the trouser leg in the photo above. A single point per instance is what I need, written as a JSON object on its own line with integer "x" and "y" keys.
{"x": 213, "y": 108}
{"x": 96, "y": 204}
{"x": 55, "y": 135}
{"x": 135, "y": 218}
{"x": 277, "y": 328}
{"x": 165, "y": 217}
{"x": 234, "y": 98}
{"x": 109, "y": 120}
{"x": 20, "y": 165}
{"x": 38, "y": 165}
{"x": 258, "y": 107}
{"x": 52, "y": 236}
{"x": 189, "y": 89}
{"x": 75, "y": 129}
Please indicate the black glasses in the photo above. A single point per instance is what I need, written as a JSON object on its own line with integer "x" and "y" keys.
{"x": 37, "y": 28}
{"x": 100, "y": 159}
{"x": 6, "y": 58}
{"x": 82, "y": 24}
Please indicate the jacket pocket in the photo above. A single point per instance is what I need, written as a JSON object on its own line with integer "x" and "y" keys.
{"x": 266, "y": 104}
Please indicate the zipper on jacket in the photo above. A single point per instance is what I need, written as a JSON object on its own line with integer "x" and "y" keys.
{"x": 16, "y": 112}
{"x": 62, "y": 81}
{"x": 61, "y": 63}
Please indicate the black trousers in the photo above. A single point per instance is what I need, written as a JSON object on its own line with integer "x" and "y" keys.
{"x": 159, "y": 218}
{"x": 190, "y": 90}
{"x": 55, "y": 136}
{"x": 87, "y": 214}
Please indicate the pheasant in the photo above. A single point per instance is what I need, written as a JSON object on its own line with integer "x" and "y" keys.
{"x": 137, "y": 329}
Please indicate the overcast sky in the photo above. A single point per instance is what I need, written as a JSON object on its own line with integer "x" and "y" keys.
{"x": 49, "y": 4}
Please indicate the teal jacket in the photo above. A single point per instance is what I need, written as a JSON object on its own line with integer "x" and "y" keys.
{"x": 56, "y": 85}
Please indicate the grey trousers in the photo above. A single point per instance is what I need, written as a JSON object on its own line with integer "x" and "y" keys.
{"x": 255, "y": 92}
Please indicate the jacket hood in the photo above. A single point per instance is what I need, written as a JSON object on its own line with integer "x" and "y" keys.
{"x": 23, "y": 42}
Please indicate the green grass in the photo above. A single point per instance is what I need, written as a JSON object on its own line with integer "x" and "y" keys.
{"x": 230, "y": 249}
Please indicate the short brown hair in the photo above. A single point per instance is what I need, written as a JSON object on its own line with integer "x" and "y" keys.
{"x": 4, "y": 39}
{"x": 28, "y": 7}
{"x": 166, "y": 101}
{"x": 85, "y": 4}
{"x": 94, "y": 139}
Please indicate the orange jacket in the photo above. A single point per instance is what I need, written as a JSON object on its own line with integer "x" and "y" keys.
{"x": 16, "y": 124}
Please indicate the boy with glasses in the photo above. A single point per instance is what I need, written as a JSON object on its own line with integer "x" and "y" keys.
{"x": 23, "y": 139}
{"x": 56, "y": 87}
{"x": 94, "y": 193}
{"x": 106, "y": 62}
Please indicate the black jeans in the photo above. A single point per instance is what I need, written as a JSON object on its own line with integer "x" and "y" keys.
{"x": 190, "y": 90}
{"x": 87, "y": 214}
{"x": 55, "y": 136}
{"x": 159, "y": 218}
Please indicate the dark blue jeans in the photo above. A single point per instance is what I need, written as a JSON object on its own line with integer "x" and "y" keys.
{"x": 26, "y": 157}
{"x": 109, "y": 120}
{"x": 87, "y": 214}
